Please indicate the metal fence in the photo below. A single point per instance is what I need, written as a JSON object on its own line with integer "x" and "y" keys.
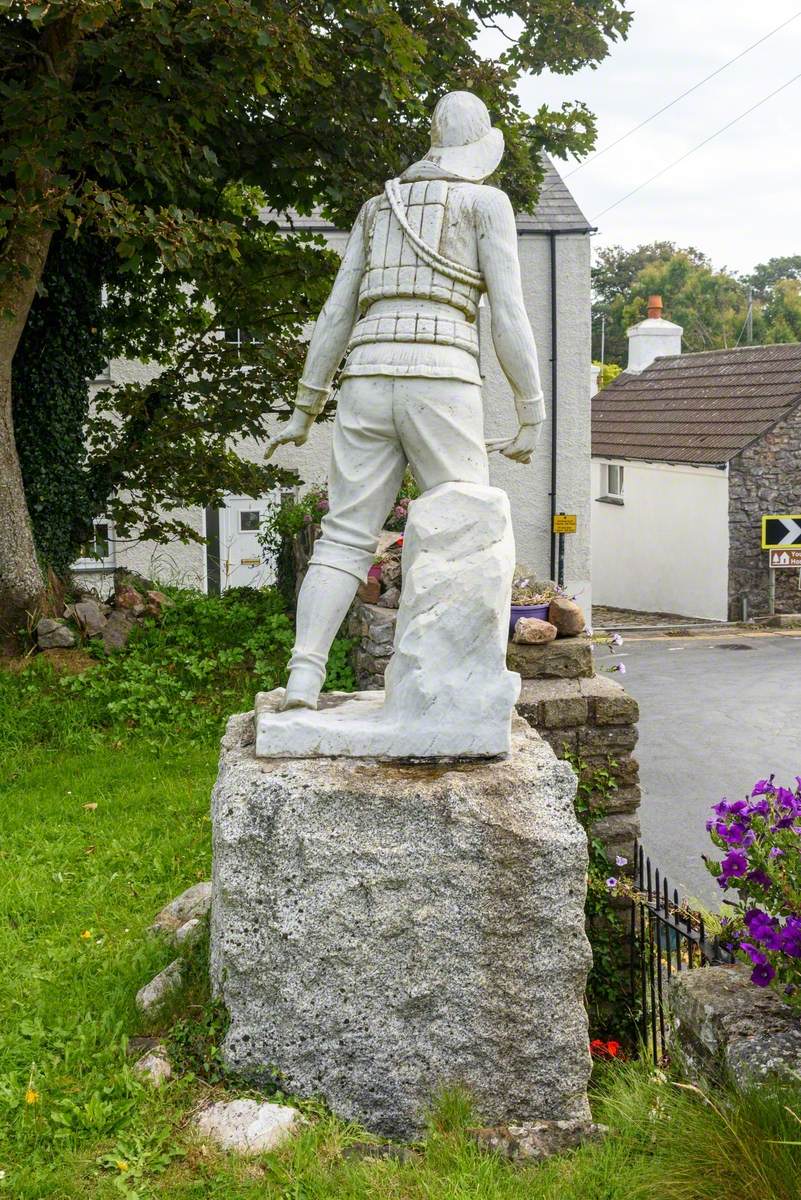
{"x": 667, "y": 936}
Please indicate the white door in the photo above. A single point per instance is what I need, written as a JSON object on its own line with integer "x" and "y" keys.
{"x": 241, "y": 557}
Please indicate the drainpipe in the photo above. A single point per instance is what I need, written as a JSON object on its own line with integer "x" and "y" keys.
{"x": 554, "y": 401}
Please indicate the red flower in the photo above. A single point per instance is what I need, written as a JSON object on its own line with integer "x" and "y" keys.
{"x": 601, "y": 1049}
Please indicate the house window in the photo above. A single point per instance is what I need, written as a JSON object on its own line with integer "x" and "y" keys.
{"x": 611, "y": 483}
{"x": 614, "y": 481}
{"x": 100, "y": 545}
{"x": 97, "y": 554}
{"x": 249, "y": 520}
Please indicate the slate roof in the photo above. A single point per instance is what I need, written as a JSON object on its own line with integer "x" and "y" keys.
{"x": 697, "y": 408}
{"x": 556, "y": 211}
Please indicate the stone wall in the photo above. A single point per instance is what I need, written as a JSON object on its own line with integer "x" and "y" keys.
{"x": 584, "y": 716}
{"x": 590, "y": 719}
{"x": 373, "y": 631}
{"x": 764, "y": 478}
{"x": 724, "y": 1026}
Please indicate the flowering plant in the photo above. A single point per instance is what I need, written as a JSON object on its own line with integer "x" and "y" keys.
{"x": 606, "y": 1050}
{"x": 761, "y": 840}
{"x": 527, "y": 591}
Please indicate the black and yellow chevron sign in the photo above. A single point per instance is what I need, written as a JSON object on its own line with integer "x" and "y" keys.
{"x": 780, "y": 531}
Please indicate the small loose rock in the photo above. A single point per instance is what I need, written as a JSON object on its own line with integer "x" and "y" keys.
{"x": 154, "y": 1065}
{"x": 566, "y": 616}
{"x": 54, "y": 634}
{"x": 532, "y": 630}
{"x": 247, "y": 1126}
{"x": 390, "y": 598}
{"x": 194, "y": 902}
{"x": 163, "y": 988}
{"x": 117, "y": 630}
{"x": 537, "y": 1139}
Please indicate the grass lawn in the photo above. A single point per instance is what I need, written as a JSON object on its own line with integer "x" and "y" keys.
{"x": 102, "y": 822}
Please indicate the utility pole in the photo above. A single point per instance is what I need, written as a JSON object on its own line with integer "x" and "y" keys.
{"x": 749, "y": 320}
{"x": 603, "y": 338}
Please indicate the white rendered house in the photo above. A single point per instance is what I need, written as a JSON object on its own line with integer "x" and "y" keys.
{"x": 688, "y": 452}
{"x": 554, "y": 249}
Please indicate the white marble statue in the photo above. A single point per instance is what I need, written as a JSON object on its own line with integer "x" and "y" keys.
{"x": 403, "y": 313}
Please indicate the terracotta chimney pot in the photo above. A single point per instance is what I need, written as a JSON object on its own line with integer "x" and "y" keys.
{"x": 654, "y": 308}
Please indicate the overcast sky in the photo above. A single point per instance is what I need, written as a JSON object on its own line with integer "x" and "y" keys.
{"x": 739, "y": 197}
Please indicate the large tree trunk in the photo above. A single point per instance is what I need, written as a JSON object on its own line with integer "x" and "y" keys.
{"x": 21, "y": 580}
{"x": 25, "y": 250}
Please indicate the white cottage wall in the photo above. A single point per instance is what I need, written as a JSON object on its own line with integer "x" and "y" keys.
{"x": 666, "y": 548}
{"x": 528, "y": 487}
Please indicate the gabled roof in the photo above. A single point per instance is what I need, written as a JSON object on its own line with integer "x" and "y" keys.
{"x": 556, "y": 211}
{"x": 697, "y": 408}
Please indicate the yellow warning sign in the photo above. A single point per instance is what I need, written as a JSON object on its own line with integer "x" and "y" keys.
{"x": 564, "y": 523}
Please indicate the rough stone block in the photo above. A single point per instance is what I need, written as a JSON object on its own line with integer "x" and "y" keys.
{"x": 620, "y": 800}
{"x": 568, "y": 658}
{"x": 381, "y": 930}
{"x": 723, "y": 1023}
{"x": 609, "y": 703}
{"x": 563, "y": 742}
{"x": 607, "y": 739}
{"x": 617, "y": 832}
{"x": 563, "y": 712}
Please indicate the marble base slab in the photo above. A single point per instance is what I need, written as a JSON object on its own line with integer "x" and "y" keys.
{"x": 357, "y": 725}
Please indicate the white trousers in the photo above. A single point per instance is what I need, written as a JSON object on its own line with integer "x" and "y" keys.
{"x": 382, "y": 423}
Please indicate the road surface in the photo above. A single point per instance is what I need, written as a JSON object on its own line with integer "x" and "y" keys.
{"x": 717, "y": 712}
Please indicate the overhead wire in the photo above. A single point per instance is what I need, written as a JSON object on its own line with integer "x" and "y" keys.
{"x": 699, "y": 146}
{"x": 676, "y": 99}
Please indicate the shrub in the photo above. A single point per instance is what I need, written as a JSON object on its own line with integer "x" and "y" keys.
{"x": 761, "y": 837}
{"x": 182, "y": 676}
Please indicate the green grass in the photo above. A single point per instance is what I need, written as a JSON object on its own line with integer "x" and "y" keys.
{"x": 69, "y": 869}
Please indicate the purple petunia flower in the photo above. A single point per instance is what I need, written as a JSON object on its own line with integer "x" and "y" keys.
{"x": 762, "y": 786}
{"x": 775, "y": 852}
{"x": 754, "y": 953}
{"x": 611, "y": 882}
{"x": 759, "y": 878}
{"x": 620, "y": 861}
{"x": 735, "y": 864}
{"x": 762, "y": 974}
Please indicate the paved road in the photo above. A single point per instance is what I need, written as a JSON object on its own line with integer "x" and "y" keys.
{"x": 716, "y": 714}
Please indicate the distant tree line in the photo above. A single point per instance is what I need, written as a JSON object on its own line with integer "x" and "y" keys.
{"x": 711, "y": 305}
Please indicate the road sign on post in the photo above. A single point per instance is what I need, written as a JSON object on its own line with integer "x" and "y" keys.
{"x": 781, "y": 531}
{"x": 785, "y": 558}
{"x": 567, "y": 523}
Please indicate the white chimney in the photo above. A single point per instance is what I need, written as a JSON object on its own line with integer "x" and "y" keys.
{"x": 652, "y": 338}
{"x": 595, "y": 371}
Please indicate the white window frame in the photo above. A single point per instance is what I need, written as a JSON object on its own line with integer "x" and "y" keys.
{"x": 613, "y": 483}
{"x": 106, "y": 562}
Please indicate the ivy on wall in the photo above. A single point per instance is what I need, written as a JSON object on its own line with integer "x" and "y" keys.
{"x": 60, "y": 351}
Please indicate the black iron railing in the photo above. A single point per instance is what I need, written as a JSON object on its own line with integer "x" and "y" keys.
{"x": 667, "y": 936}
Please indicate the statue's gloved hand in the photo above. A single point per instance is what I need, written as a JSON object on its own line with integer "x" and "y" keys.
{"x": 296, "y": 430}
{"x": 520, "y": 447}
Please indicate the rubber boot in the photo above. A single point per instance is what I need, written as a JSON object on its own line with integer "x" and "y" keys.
{"x": 325, "y": 597}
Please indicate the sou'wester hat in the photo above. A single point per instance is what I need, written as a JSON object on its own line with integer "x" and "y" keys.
{"x": 463, "y": 142}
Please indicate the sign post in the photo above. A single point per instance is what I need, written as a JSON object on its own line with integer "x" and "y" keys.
{"x": 563, "y": 523}
{"x": 781, "y": 537}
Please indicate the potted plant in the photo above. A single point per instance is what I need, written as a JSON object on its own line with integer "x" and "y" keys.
{"x": 530, "y": 599}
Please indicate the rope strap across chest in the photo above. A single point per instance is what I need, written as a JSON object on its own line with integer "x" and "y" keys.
{"x": 446, "y": 266}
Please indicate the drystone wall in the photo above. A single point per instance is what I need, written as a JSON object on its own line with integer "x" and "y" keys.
{"x": 764, "y": 478}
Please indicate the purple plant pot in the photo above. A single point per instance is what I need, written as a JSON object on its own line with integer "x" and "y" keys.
{"x": 526, "y": 610}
